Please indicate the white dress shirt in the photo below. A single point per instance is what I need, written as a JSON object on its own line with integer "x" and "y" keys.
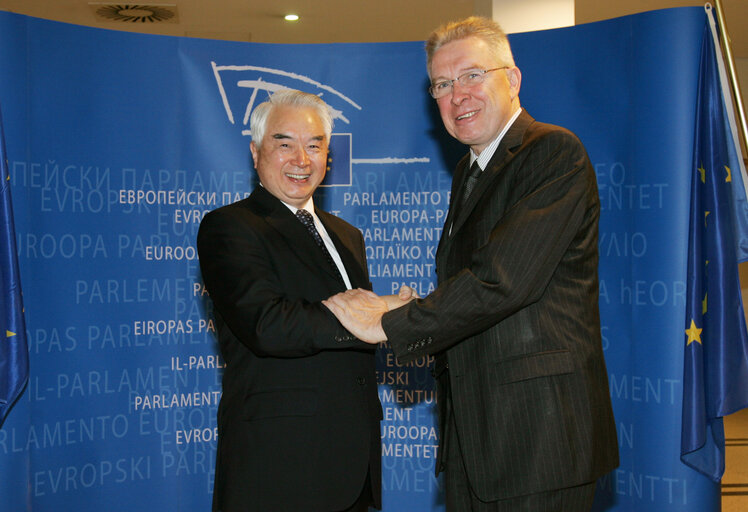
{"x": 309, "y": 206}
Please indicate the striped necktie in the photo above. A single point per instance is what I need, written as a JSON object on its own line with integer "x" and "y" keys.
{"x": 470, "y": 182}
{"x": 475, "y": 172}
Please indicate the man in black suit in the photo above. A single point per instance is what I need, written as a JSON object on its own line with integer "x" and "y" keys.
{"x": 525, "y": 415}
{"x": 298, "y": 421}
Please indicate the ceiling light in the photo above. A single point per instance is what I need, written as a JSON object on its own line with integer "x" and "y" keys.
{"x": 291, "y": 17}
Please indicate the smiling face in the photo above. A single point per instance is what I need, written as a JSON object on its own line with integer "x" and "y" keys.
{"x": 475, "y": 115}
{"x": 292, "y": 158}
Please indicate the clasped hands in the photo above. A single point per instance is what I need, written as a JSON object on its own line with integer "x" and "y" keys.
{"x": 360, "y": 311}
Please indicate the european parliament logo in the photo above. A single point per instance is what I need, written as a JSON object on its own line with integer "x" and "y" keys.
{"x": 339, "y": 171}
{"x": 243, "y": 87}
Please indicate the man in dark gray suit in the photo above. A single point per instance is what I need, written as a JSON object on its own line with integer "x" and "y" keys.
{"x": 525, "y": 416}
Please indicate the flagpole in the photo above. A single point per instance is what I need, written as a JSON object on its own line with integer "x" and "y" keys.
{"x": 734, "y": 84}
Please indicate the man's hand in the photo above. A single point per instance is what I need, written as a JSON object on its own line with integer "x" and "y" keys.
{"x": 360, "y": 311}
{"x": 405, "y": 295}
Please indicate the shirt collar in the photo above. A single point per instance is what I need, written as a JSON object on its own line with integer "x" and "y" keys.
{"x": 486, "y": 155}
{"x": 308, "y": 206}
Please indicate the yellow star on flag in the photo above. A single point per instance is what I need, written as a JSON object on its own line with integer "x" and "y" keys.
{"x": 703, "y": 305}
{"x": 703, "y": 173}
{"x": 8, "y": 334}
{"x": 728, "y": 179}
{"x": 694, "y": 334}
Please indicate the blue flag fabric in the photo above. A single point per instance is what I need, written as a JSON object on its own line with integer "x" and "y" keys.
{"x": 716, "y": 346}
{"x": 14, "y": 361}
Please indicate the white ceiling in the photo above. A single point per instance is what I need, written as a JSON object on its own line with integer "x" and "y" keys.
{"x": 327, "y": 21}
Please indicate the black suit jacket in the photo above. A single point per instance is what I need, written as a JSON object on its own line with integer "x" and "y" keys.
{"x": 515, "y": 319}
{"x": 298, "y": 421}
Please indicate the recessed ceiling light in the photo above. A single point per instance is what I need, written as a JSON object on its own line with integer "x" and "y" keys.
{"x": 291, "y": 17}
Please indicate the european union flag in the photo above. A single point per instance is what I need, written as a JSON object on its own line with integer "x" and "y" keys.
{"x": 14, "y": 354}
{"x": 716, "y": 346}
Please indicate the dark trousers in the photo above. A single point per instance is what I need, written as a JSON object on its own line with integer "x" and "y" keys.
{"x": 365, "y": 499}
{"x": 461, "y": 498}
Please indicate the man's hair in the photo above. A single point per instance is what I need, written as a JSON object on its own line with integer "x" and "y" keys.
{"x": 292, "y": 98}
{"x": 474, "y": 26}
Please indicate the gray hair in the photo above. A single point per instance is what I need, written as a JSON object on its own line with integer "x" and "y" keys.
{"x": 474, "y": 26}
{"x": 293, "y": 98}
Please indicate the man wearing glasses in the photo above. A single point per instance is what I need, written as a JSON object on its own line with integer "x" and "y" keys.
{"x": 524, "y": 409}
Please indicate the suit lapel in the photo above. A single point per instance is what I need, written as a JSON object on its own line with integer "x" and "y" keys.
{"x": 346, "y": 250}
{"x": 277, "y": 215}
{"x": 458, "y": 181}
{"x": 501, "y": 157}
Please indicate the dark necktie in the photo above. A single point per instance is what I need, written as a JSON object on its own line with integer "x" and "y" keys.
{"x": 475, "y": 171}
{"x": 472, "y": 179}
{"x": 306, "y": 218}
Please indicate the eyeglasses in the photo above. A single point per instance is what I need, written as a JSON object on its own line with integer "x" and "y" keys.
{"x": 469, "y": 79}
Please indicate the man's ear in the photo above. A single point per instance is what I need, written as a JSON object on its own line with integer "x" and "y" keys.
{"x": 515, "y": 81}
{"x": 255, "y": 153}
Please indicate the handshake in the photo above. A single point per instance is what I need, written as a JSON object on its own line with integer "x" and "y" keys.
{"x": 360, "y": 311}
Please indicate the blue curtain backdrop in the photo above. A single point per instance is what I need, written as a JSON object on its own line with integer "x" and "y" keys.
{"x": 117, "y": 145}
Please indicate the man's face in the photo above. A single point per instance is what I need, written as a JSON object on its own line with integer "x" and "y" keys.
{"x": 474, "y": 115}
{"x": 292, "y": 159}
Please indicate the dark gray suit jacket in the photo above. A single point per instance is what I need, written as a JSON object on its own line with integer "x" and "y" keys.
{"x": 298, "y": 422}
{"x": 515, "y": 319}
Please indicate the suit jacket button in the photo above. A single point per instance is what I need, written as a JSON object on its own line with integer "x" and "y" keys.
{"x": 361, "y": 380}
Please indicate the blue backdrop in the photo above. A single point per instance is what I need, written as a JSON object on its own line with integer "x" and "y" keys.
{"x": 118, "y": 143}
